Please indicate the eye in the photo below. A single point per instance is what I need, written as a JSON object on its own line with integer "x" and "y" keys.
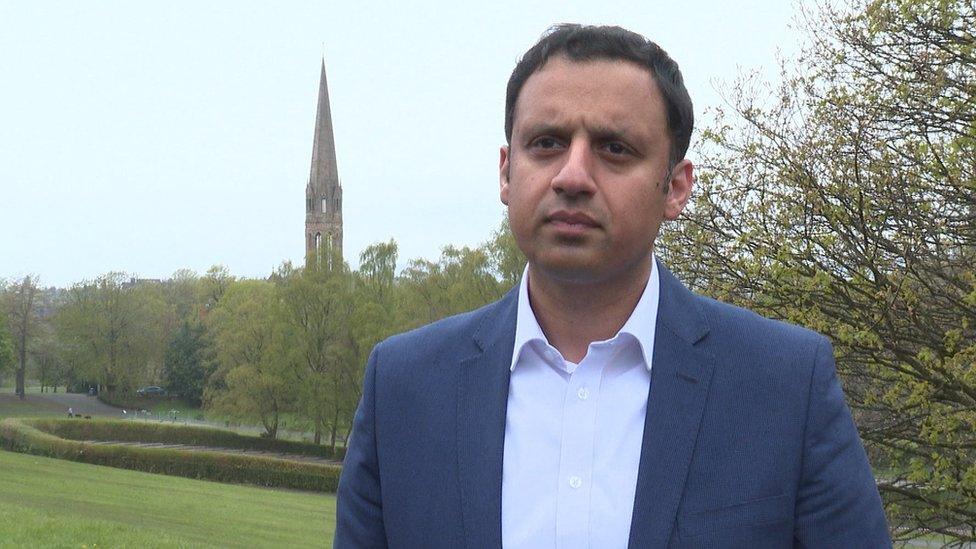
{"x": 616, "y": 148}
{"x": 545, "y": 143}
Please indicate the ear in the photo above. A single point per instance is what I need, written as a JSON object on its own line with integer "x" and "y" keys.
{"x": 679, "y": 191}
{"x": 503, "y": 169}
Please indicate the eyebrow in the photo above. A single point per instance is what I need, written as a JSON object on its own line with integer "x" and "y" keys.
{"x": 600, "y": 133}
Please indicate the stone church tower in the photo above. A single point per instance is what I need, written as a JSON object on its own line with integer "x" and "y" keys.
{"x": 323, "y": 194}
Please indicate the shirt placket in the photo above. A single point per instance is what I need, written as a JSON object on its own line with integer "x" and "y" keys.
{"x": 576, "y": 454}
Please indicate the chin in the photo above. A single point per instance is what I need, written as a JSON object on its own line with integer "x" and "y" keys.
{"x": 566, "y": 270}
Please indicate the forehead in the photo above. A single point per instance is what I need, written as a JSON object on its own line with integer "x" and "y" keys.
{"x": 603, "y": 92}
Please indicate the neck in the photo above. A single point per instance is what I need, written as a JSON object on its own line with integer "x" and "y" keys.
{"x": 574, "y": 314}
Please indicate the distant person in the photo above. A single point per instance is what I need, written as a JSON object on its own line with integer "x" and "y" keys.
{"x": 600, "y": 403}
{"x": 71, "y": 412}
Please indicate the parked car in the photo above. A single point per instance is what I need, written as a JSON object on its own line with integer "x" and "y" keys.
{"x": 151, "y": 390}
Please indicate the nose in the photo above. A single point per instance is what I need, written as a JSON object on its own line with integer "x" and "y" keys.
{"x": 575, "y": 176}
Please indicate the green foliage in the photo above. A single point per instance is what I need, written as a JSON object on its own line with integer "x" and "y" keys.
{"x": 845, "y": 202}
{"x": 185, "y": 365}
{"x": 290, "y": 348}
{"x": 22, "y": 436}
{"x": 507, "y": 259}
{"x": 6, "y": 346}
{"x": 112, "y": 332}
{"x": 19, "y": 305}
{"x": 462, "y": 280}
{"x": 251, "y": 381}
{"x": 299, "y": 343}
{"x": 164, "y": 433}
{"x": 314, "y": 309}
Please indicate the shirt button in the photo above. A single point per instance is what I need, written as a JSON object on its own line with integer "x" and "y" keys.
{"x": 583, "y": 393}
{"x": 575, "y": 481}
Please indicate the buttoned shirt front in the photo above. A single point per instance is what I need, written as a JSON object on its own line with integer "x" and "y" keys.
{"x": 574, "y": 432}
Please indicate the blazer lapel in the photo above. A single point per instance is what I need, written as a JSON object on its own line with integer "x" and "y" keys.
{"x": 680, "y": 378}
{"x": 482, "y": 403}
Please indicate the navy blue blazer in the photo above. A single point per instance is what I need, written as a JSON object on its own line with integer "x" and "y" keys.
{"x": 747, "y": 440}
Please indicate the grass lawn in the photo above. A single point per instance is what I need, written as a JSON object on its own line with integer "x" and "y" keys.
{"x": 55, "y": 503}
{"x": 11, "y": 406}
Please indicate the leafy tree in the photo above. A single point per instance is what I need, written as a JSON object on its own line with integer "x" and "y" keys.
{"x": 315, "y": 305}
{"x": 507, "y": 259}
{"x": 46, "y": 357}
{"x": 6, "y": 347}
{"x": 251, "y": 380}
{"x": 374, "y": 316}
{"x": 462, "y": 280}
{"x": 21, "y": 310}
{"x": 186, "y": 366}
{"x": 183, "y": 292}
{"x": 213, "y": 285}
{"x": 846, "y": 201}
{"x": 109, "y": 330}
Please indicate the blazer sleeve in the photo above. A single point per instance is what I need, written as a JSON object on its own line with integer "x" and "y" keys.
{"x": 359, "y": 507}
{"x": 838, "y": 504}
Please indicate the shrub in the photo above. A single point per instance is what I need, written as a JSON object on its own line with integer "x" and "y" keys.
{"x": 140, "y": 431}
{"x": 40, "y": 437}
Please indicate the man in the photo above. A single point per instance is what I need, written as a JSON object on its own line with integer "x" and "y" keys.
{"x": 600, "y": 403}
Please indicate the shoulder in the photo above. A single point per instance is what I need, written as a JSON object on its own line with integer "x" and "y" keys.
{"x": 754, "y": 353}
{"x": 728, "y": 330}
{"x": 454, "y": 337}
{"x": 730, "y": 322}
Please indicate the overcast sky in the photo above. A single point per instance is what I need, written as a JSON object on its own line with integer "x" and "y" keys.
{"x": 147, "y": 137}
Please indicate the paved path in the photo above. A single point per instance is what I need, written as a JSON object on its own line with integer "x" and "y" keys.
{"x": 189, "y": 448}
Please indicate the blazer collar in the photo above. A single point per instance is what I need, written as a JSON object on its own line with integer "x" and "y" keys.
{"x": 482, "y": 404}
{"x": 680, "y": 381}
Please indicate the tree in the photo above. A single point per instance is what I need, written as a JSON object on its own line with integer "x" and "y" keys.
{"x": 6, "y": 347}
{"x": 315, "y": 305}
{"x": 22, "y": 314}
{"x": 846, "y": 201}
{"x": 186, "y": 366}
{"x": 376, "y": 299}
{"x": 250, "y": 381}
{"x": 213, "y": 285}
{"x": 46, "y": 357}
{"x": 507, "y": 259}
{"x": 183, "y": 292}
{"x": 462, "y": 280}
{"x": 110, "y": 332}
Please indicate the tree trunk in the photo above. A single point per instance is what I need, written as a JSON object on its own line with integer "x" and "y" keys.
{"x": 335, "y": 426}
{"x": 22, "y": 367}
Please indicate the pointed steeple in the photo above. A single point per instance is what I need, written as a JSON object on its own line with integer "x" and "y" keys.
{"x": 323, "y": 194}
{"x": 324, "y": 170}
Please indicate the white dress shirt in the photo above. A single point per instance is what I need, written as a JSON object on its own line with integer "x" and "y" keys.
{"x": 573, "y": 432}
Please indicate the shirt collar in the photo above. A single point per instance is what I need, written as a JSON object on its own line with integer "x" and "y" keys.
{"x": 641, "y": 324}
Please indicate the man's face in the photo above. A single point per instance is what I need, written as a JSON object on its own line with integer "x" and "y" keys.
{"x": 586, "y": 176}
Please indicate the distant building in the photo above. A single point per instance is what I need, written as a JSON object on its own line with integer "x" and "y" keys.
{"x": 323, "y": 194}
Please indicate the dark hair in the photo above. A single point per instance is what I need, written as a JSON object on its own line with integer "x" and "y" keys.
{"x": 588, "y": 43}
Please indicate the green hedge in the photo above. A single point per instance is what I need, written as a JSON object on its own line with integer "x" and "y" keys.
{"x": 168, "y": 433}
{"x": 29, "y": 436}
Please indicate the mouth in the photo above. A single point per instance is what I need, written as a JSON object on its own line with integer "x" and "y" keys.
{"x": 571, "y": 221}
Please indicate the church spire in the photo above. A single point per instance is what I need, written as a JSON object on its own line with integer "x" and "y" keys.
{"x": 323, "y": 194}
{"x": 324, "y": 168}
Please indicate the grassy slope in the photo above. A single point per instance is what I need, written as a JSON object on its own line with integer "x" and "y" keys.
{"x": 50, "y": 502}
{"x": 11, "y": 406}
